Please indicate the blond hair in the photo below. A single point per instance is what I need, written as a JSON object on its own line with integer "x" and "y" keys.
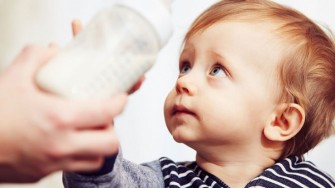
{"x": 307, "y": 70}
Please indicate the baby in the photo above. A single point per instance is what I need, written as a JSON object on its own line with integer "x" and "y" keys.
{"x": 255, "y": 92}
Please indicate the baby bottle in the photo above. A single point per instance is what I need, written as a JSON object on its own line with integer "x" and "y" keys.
{"x": 112, "y": 52}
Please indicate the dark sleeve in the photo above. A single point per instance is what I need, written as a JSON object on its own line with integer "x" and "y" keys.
{"x": 124, "y": 174}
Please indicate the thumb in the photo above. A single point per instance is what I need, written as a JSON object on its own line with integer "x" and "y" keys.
{"x": 32, "y": 57}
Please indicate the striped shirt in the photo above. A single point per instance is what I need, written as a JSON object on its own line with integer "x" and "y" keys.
{"x": 291, "y": 172}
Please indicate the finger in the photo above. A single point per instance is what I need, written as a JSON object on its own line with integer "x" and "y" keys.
{"x": 137, "y": 85}
{"x": 79, "y": 165}
{"x": 101, "y": 142}
{"x": 87, "y": 114}
{"x": 76, "y": 26}
{"x": 90, "y": 114}
{"x": 31, "y": 58}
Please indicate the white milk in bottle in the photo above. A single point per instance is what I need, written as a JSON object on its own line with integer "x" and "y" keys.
{"x": 112, "y": 52}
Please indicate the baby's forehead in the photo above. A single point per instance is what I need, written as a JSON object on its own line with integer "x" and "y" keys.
{"x": 271, "y": 27}
{"x": 238, "y": 38}
{"x": 263, "y": 30}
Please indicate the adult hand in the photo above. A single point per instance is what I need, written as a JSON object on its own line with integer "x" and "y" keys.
{"x": 41, "y": 133}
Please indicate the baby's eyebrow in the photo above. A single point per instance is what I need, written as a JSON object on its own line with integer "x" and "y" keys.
{"x": 220, "y": 58}
{"x": 187, "y": 51}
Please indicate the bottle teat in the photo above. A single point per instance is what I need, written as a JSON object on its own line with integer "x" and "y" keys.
{"x": 167, "y": 4}
{"x": 157, "y": 13}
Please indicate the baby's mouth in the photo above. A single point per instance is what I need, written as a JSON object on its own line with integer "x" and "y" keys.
{"x": 179, "y": 110}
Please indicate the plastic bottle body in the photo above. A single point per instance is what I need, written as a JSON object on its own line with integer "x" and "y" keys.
{"x": 107, "y": 57}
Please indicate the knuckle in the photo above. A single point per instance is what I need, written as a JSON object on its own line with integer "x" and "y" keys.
{"x": 112, "y": 146}
{"x": 55, "y": 151}
{"x": 97, "y": 163}
{"x": 55, "y": 154}
{"x": 103, "y": 114}
{"x": 108, "y": 117}
{"x": 29, "y": 48}
{"x": 59, "y": 119}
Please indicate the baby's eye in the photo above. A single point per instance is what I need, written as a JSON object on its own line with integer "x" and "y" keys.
{"x": 218, "y": 70}
{"x": 185, "y": 68}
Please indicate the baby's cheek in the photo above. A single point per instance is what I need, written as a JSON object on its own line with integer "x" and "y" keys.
{"x": 168, "y": 106}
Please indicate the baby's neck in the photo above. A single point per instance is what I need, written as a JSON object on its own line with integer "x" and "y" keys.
{"x": 234, "y": 171}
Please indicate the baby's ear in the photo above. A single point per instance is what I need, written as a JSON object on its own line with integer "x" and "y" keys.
{"x": 286, "y": 122}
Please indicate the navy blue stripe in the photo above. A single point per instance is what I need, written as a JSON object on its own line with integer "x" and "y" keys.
{"x": 297, "y": 165}
{"x": 281, "y": 180}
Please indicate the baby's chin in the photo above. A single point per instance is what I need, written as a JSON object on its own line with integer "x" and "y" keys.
{"x": 187, "y": 140}
{"x": 180, "y": 137}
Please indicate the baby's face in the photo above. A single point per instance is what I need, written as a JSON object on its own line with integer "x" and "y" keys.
{"x": 227, "y": 86}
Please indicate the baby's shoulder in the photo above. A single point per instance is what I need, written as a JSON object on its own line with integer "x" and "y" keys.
{"x": 169, "y": 163}
{"x": 295, "y": 171}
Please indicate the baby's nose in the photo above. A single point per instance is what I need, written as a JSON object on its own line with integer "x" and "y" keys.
{"x": 186, "y": 86}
